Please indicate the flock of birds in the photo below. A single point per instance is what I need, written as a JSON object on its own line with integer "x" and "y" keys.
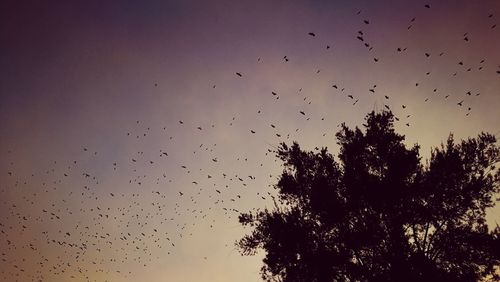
{"x": 102, "y": 229}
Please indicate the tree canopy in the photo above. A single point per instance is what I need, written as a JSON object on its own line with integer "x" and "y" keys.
{"x": 378, "y": 213}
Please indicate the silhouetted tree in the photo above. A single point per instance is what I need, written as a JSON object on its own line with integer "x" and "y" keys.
{"x": 379, "y": 213}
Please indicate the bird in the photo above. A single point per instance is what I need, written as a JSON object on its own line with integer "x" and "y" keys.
{"x": 312, "y": 34}
{"x": 239, "y": 74}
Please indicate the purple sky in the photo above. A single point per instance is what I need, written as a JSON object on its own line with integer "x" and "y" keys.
{"x": 98, "y": 88}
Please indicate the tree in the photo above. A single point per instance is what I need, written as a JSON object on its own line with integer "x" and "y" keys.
{"x": 379, "y": 213}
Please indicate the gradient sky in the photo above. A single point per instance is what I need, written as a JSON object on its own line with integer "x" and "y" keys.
{"x": 92, "y": 92}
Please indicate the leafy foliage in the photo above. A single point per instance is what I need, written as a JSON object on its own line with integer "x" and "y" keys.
{"x": 379, "y": 213}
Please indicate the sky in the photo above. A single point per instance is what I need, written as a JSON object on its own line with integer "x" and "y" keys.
{"x": 132, "y": 133}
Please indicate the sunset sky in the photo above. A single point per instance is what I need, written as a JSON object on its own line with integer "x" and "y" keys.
{"x": 129, "y": 143}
